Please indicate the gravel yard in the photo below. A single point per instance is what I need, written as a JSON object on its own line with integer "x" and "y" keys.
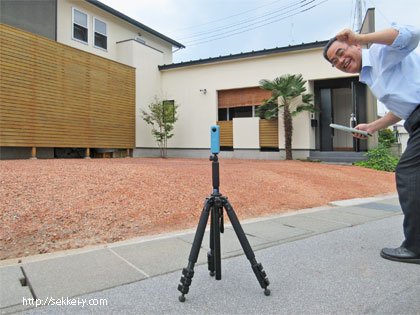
{"x": 51, "y": 205}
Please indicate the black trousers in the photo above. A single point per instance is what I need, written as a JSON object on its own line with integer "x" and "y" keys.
{"x": 408, "y": 183}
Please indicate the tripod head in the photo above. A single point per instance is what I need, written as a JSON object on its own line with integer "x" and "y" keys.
{"x": 215, "y": 149}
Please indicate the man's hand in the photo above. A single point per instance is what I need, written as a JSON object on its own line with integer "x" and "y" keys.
{"x": 349, "y": 37}
{"x": 364, "y": 127}
{"x": 388, "y": 120}
{"x": 385, "y": 37}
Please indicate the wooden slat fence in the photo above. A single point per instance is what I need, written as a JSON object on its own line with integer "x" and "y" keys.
{"x": 53, "y": 95}
{"x": 269, "y": 133}
{"x": 226, "y": 133}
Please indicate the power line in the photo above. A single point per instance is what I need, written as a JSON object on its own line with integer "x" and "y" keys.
{"x": 199, "y": 42}
{"x": 351, "y": 26}
{"x": 247, "y": 26}
{"x": 380, "y": 11}
{"x": 228, "y": 17}
{"x": 243, "y": 22}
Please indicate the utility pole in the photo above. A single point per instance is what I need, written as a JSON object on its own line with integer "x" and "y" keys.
{"x": 358, "y": 15}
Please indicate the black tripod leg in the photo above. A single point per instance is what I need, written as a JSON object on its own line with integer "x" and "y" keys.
{"x": 256, "y": 267}
{"x": 214, "y": 255}
{"x": 188, "y": 273}
{"x": 216, "y": 240}
{"x": 210, "y": 253}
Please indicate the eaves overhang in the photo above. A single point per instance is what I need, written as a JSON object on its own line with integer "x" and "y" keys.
{"x": 251, "y": 54}
{"x": 134, "y": 22}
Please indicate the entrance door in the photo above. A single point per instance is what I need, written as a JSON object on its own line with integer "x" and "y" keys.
{"x": 358, "y": 114}
{"x": 343, "y": 102}
{"x": 326, "y": 119}
{"x": 341, "y": 115}
{"x": 336, "y": 107}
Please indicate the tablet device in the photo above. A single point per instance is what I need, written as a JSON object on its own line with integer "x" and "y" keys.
{"x": 348, "y": 129}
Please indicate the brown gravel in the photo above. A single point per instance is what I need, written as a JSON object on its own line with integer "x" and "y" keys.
{"x": 50, "y": 205}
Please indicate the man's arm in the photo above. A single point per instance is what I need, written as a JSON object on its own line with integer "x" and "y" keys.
{"x": 385, "y": 37}
{"x": 388, "y": 120}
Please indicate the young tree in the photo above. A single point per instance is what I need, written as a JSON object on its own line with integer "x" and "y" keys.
{"x": 162, "y": 117}
{"x": 285, "y": 95}
{"x": 386, "y": 137}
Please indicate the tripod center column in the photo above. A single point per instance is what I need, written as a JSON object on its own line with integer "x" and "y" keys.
{"x": 215, "y": 173}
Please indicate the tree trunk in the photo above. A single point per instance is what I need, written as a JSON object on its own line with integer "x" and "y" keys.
{"x": 288, "y": 131}
{"x": 161, "y": 143}
{"x": 165, "y": 148}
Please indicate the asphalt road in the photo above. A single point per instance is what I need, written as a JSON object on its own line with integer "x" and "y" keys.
{"x": 338, "y": 272}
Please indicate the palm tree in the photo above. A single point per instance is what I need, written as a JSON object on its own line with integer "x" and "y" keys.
{"x": 285, "y": 91}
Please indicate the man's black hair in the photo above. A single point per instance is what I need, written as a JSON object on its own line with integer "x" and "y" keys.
{"x": 332, "y": 40}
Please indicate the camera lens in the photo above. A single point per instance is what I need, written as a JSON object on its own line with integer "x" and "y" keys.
{"x": 213, "y": 129}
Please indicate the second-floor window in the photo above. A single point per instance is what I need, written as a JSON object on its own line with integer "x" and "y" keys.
{"x": 100, "y": 34}
{"x": 80, "y": 26}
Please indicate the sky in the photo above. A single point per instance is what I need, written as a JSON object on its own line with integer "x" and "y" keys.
{"x": 212, "y": 28}
{"x": 206, "y": 27}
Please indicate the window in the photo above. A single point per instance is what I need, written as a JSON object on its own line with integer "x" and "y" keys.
{"x": 223, "y": 114}
{"x": 236, "y": 112}
{"x": 243, "y": 111}
{"x": 80, "y": 26}
{"x": 100, "y": 34}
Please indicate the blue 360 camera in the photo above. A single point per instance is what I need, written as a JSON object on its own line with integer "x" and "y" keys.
{"x": 215, "y": 136}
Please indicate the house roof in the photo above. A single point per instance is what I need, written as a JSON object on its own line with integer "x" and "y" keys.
{"x": 242, "y": 55}
{"x": 134, "y": 22}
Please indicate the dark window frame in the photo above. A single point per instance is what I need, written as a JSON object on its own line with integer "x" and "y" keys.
{"x": 80, "y": 29}
{"x": 230, "y": 112}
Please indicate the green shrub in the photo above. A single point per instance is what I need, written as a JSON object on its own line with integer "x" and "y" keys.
{"x": 386, "y": 137}
{"x": 379, "y": 159}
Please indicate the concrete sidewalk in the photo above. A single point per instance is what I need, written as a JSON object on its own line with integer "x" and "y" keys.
{"x": 322, "y": 260}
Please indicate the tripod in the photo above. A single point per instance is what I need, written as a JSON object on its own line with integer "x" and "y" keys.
{"x": 214, "y": 205}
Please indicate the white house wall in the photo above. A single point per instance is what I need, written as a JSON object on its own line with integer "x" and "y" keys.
{"x": 148, "y": 86}
{"x": 148, "y": 83}
{"x": 118, "y": 30}
{"x": 246, "y": 133}
{"x": 198, "y": 110}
